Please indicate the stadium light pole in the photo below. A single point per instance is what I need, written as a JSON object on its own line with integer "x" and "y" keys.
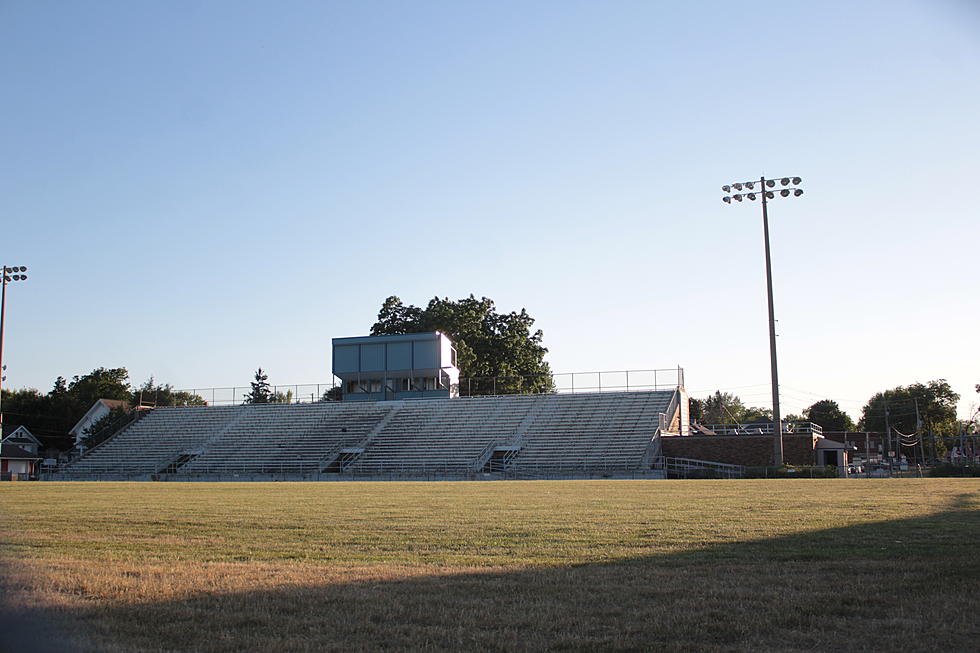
{"x": 790, "y": 186}
{"x": 10, "y": 274}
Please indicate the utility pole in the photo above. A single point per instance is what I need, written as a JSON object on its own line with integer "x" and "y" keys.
{"x": 918, "y": 429}
{"x": 764, "y": 185}
{"x": 888, "y": 436}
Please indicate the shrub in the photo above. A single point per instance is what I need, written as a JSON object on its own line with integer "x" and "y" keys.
{"x": 945, "y": 470}
{"x": 791, "y": 471}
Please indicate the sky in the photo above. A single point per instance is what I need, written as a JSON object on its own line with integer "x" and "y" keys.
{"x": 203, "y": 188}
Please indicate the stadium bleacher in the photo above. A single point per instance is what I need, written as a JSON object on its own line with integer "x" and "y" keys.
{"x": 523, "y": 436}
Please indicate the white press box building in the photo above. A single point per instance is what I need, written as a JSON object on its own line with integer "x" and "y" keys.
{"x": 410, "y": 366}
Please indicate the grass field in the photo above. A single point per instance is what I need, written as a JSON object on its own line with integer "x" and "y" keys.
{"x": 575, "y": 565}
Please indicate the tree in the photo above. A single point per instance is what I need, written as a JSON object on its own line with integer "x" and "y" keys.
{"x": 936, "y": 403}
{"x": 828, "y": 415}
{"x": 933, "y": 404}
{"x": 50, "y": 416}
{"x": 100, "y": 383}
{"x": 755, "y": 415}
{"x": 721, "y": 408}
{"x": 261, "y": 392}
{"x": 163, "y": 395}
{"x": 489, "y": 345}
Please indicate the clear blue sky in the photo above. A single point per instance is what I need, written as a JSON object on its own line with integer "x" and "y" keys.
{"x": 202, "y": 188}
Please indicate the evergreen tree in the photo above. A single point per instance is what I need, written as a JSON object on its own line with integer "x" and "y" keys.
{"x": 261, "y": 392}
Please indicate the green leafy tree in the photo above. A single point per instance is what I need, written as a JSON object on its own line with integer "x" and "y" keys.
{"x": 489, "y": 345}
{"x": 50, "y": 416}
{"x": 828, "y": 415}
{"x": 164, "y": 395}
{"x": 261, "y": 391}
{"x": 100, "y": 383}
{"x": 934, "y": 404}
{"x": 696, "y": 410}
{"x": 721, "y": 408}
{"x": 755, "y": 414}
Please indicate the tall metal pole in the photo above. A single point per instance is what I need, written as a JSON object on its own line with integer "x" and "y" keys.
{"x": 3, "y": 312}
{"x": 8, "y": 274}
{"x": 777, "y": 422}
{"x": 766, "y": 194}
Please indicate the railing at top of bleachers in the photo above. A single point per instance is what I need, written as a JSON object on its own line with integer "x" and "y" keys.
{"x": 561, "y": 383}
{"x": 762, "y": 428}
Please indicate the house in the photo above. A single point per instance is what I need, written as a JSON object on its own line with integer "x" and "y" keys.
{"x": 19, "y": 454}
{"x": 99, "y": 409}
{"x": 23, "y": 438}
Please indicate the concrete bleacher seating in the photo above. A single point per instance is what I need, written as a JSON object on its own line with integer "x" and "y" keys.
{"x": 145, "y": 445}
{"x": 286, "y": 438}
{"x": 546, "y": 434}
{"x": 443, "y": 436}
{"x": 592, "y": 432}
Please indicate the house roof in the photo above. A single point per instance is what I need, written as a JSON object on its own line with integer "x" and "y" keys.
{"x": 13, "y": 452}
{"x": 22, "y": 432}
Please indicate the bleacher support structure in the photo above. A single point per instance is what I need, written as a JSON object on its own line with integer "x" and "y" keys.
{"x": 587, "y": 435}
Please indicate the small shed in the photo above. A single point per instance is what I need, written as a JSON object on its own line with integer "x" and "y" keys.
{"x": 831, "y": 453}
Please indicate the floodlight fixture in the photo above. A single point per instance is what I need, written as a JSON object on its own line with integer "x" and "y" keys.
{"x": 737, "y": 198}
{"x": 726, "y": 188}
{"x": 797, "y": 192}
{"x": 751, "y": 196}
{"x": 750, "y": 185}
{"x": 737, "y": 186}
{"x": 784, "y": 192}
{"x": 770, "y": 195}
{"x": 784, "y": 181}
{"x": 726, "y": 200}
{"x": 796, "y": 181}
{"x": 770, "y": 183}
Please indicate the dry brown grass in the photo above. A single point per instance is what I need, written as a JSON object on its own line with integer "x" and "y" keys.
{"x": 694, "y": 565}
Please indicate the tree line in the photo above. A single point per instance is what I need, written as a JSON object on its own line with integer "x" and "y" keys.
{"x": 916, "y": 409}
{"x": 49, "y": 416}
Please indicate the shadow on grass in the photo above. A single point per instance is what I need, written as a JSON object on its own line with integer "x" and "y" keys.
{"x": 899, "y": 585}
